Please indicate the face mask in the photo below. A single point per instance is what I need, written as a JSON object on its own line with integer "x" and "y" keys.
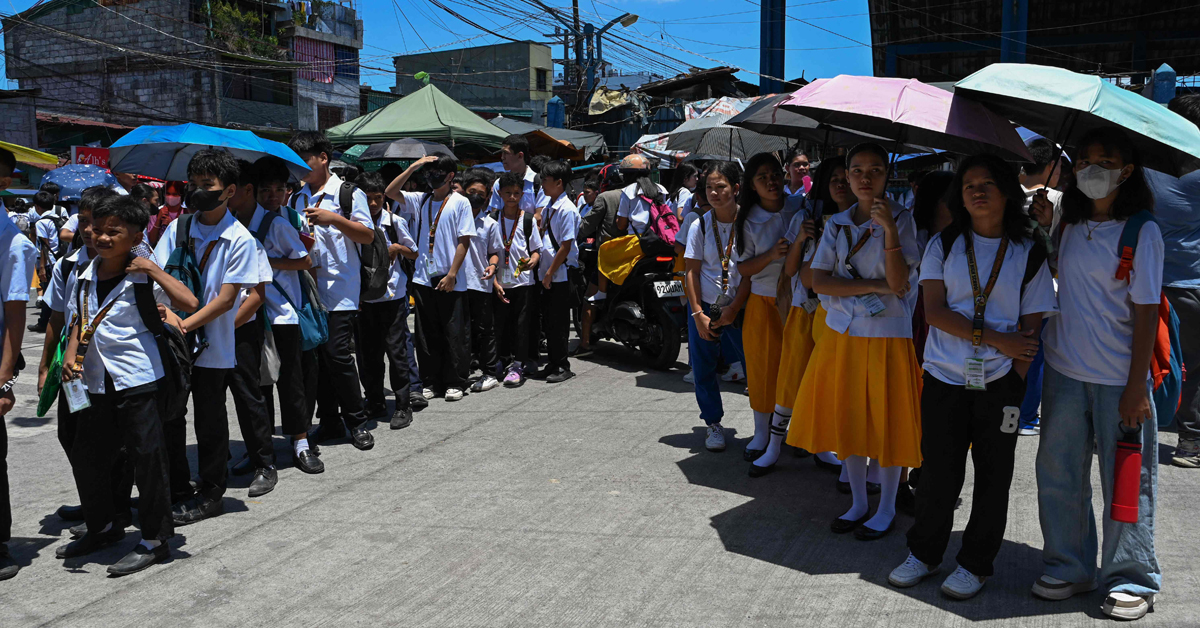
{"x": 435, "y": 179}
{"x": 1097, "y": 182}
{"x": 174, "y": 200}
{"x": 477, "y": 201}
{"x": 204, "y": 200}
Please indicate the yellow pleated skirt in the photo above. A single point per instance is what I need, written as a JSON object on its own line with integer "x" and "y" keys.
{"x": 762, "y": 341}
{"x": 860, "y": 397}
{"x": 797, "y": 347}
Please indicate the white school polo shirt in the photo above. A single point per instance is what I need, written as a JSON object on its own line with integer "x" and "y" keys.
{"x": 455, "y": 221}
{"x": 338, "y": 281}
{"x": 762, "y": 230}
{"x": 522, "y": 245}
{"x": 560, "y": 221}
{"x": 281, "y": 241}
{"x": 485, "y": 243}
{"x": 846, "y": 314}
{"x": 531, "y": 199}
{"x": 799, "y": 290}
{"x": 121, "y": 344}
{"x": 396, "y": 232}
{"x": 1091, "y": 340}
{"x": 234, "y": 260}
{"x": 946, "y": 354}
{"x": 682, "y": 203}
{"x": 55, "y": 296}
{"x": 635, "y": 208}
{"x": 702, "y": 245}
{"x": 44, "y": 228}
{"x": 16, "y": 271}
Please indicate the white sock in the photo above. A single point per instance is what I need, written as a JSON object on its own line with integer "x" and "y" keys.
{"x": 889, "y": 481}
{"x": 779, "y": 426}
{"x": 831, "y": 458}
{"x": 151, "y": 543}
{"x": 300, "y": 445}
{"x": 856, "y": 469}
{"x": 599, "y": 296}
{"x": 762, "y": 426}
{"x": 873, "y": 471}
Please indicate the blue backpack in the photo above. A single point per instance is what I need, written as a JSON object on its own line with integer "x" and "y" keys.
{"x": 183, "y": 265}
{"x": 314, "y": 326}
{"x": 1166, "y": 364}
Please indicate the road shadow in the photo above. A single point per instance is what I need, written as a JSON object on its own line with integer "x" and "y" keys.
{"x": 618, "y": 358}
{"x": 24, "y": 549}
{"x": 786, "y": 523}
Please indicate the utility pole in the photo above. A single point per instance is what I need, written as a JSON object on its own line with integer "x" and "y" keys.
{"x": 578, "y": 41}
{"x": 771, "y": 46}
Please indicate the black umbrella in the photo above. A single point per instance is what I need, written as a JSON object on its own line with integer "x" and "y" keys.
{"x": 406, "y": 149}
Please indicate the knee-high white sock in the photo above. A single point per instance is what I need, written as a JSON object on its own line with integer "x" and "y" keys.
{"x": 762, "y": 426}
{"x": 889, "y": 483}
{"x": 831, "y": 458}
{"x": 856, "y": 470}
{"x": 779, "y": 426}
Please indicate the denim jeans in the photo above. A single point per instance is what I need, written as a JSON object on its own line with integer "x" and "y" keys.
{"x": 1073, "y": 413}
{"x": 1033, "y": 386}
{"x": 704, "y": 355}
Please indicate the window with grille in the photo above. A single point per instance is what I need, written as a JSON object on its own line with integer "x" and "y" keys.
{"x": 328, "y": 117}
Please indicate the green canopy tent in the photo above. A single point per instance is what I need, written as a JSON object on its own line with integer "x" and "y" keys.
{"x": 426, "y": 114}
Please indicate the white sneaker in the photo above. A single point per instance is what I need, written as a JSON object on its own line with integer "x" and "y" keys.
{"x": 1127, "y": 606}
{"x": 911, "y": 572}
{"x": 487, "y": 383}
{"x": 1053, "y": 589}
{"x": 962, "y": 584}
{"x": 453, "y": 394}
{"x": 427, "y": 393}
{"x": 689, "y": 377}
{"x": 716, "y": 438}
{"x": 734, "y": 374}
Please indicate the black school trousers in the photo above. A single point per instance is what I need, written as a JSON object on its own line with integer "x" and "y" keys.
{"x": 483, "y": 330}
{"x": 556, "y": 319}
{"x": 383, "y": 331}
{"x": 444, "y": 338}
{"x": 130, "y": 417}
{"x": 248, "y": 400}
{"x": 512, "y": 325}
{"x": 338, "y": 395}
{"x": 297, "y": 382}
{"x": 955, "y": 420}
{"x": 211, "y": 423}
{"x": 68, "y": 427}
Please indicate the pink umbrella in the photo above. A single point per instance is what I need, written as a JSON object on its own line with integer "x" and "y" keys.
{"x": 909, "y": 112}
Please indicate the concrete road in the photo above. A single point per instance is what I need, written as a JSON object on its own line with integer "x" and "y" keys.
{"x": 587, "y": 503}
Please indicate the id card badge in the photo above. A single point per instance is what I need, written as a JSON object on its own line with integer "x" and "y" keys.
{"x": 507, "y": 276}
{"x": 431, "y": 267}
{"x": 974, "y": 374}
{"x": 810, "y": 305}
{"x": 77, "y": 395}
{"x": 873, "y": 303}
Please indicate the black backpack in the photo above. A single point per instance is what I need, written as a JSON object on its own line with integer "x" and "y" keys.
{"x": 173, "y": 349}
{"x": 374, "y": 265}
{"x": 58, "y": 222}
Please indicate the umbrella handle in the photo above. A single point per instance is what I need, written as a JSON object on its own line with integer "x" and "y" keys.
{"x": 1072, "y": 117}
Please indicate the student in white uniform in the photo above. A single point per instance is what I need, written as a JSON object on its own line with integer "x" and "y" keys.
{"x": 16, "y": 276}
{"x": 796, "y": 166}
{"x": 340, "y": 229}
{"x": 1097, "y": 386}
{"x": 559, "y": 259}
{"x": 480, "y": 269}
{"x": 515, "y": 155}
{"x": 976, "y": 359}
{"x": 683, "y": 187}
{"x": 382, "y": 323}
{"x": 228, "y": 258}
{"x": 45, "y": 230}
{"x": 634, "y": 212}
{"x": 521, "y": 245}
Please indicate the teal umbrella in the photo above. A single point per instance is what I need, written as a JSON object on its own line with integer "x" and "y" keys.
{"x": 1063, "y": 105}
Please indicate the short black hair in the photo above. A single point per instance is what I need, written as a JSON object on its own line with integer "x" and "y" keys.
{"x": 557, "y": 170}
{"x": 370, "y": 183}
{"x": 511, "y": 179}
{"x": 592, "y": 182}
{"x": 311, "y": 142}
{"x": 538, "y": 162}
{"x": 44, "y": 200}
{"x": 518, "y": 143}
{"x": 478, "y": 175}
{"x": 215, "y": 163}
{"x": 1043, "y": 152}
{"x": 93, "y": 196}
{"x": 126, "y": 209}
{"x": 142, "y": 192}
{"x": 444, "y": 164}
{"x": 1188, "y": 106}
{"x": 270, "y": 170}
{"x": 245, "y": 173}
{"x": 7, "y": 160}
{"x": 51, "y": 187}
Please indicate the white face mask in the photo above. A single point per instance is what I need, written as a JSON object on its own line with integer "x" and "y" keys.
{"x": 173, "y": 200}
{"x": 1097, "y": 182}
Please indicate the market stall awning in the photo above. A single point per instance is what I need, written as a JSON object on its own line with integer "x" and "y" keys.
{"x": 426, "y": 114}
{"x": 29, "y": 155}
{"x": 590, "y": 143}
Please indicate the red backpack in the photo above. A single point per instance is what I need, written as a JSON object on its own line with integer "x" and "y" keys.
{"x": 661, "y": 228}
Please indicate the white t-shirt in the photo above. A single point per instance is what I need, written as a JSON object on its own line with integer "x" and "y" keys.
{"x": 848, "y": 314}
{"x": 16, "y": 271}
{"x": 763, "y": 229}
{"x": 1092, "y": 338}
{"x": 685, "y": 227}
{"x": 453, "y": 222}
{"x": 799, "y": 290}
{"x": 335, "y": 256}
{"x": 561, "y": 224}
{"x": 531, "y": 198}
{"x": 702, "y": 245}
{"x": 635, "y": 209}
{"x": 45, "y": 228}
{"x": 485, "y": 244}
{"x": 520, "y": 245}
{"x": 281, "y": 241}
{"x": 945, "y": 355}
{"x": 682, "y": 201}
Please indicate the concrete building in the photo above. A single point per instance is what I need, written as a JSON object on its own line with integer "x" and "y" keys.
{"x": 514, "y": 79}
{"x": 18, "y": 119}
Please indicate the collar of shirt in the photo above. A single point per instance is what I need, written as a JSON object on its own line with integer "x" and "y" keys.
{"x": 846, "y": 218}
{"x": 331, "y": 188}
{"x": 6, "y": 223}
{"x": 220, "y": 230}
{"x": 758, "y": 215}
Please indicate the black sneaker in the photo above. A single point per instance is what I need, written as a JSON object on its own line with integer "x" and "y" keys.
{"x": 417, "y": 401}
{"x": 559, "y": 375}
{"x": 401, "y": 418}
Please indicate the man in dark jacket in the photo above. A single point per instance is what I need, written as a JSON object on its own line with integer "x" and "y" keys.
{"x": 600, "y": 226}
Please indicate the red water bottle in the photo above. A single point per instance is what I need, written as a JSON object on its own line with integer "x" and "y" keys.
{"x": 1127, "y": 477}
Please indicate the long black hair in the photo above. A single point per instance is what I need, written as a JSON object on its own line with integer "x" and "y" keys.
{"x": 748, "y": 196}
{"x": 728, "y": 169}
{"x": 1015, "y": 222}
{"x": 1133, "y": 195}
{"x": 682, "y": 173}
{"x": 930, "y": 191}
{"x": 820, "y": 189}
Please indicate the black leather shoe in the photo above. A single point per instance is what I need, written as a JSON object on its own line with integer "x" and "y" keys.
{"x": 559, "y": 375}
{"x": 801, "y": 452}
{"x": 863, "y": 533}
{"x": 89, "y": 543}
{"x": 323, "y": 433}
{"x": 122, "y": 522}
{"x": 8, "y": 566}
{"x": 203, "y": 509}
{"x": 375, "y": 411}
{"x": 264, "y": 482}
{"x": 757, "y": 471}
{"x": 842, "y": 526}
{"x": 872, "y": 488}
{"x": 828, "y": 466}
{"x": 417, "y": 401}
{"x": 750, "y": 455}
{"x": 243, "y": 466}
{"x": 70, "y": 513}
{"x": 401, "y": 418}
{"x": 361, "y": 438}
{"x": 139, "y": 559}
{"x": 308, "y": 462}
{"x": 37, "y": 329}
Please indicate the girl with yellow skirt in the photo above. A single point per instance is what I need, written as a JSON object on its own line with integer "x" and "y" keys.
{"x": 862, "y": 387}
{"x": 761, "y": 223}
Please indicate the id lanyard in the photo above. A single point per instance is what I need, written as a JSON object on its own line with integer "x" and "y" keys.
{"x": 723, "y": 255}
{"x": 89, "y": 329}
{"x": 981, "y": 296}
{"x": 512, "y": 235}
{"x": 855, "y": 248}
{"x": 434, "y": 220}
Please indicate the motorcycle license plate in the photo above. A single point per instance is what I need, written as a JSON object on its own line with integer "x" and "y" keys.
{"x": 668, "y": 289}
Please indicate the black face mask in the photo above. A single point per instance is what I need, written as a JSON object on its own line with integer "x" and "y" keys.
{"x": 204, "y": 200}
{"x": 435, "y": 179}
{"x": 478, "y": 201}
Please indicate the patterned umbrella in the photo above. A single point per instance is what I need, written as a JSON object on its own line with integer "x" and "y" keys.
{"x": 76, "y": 178}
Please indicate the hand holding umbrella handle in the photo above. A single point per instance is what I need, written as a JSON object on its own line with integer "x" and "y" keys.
{"x": 1041, "y": 208}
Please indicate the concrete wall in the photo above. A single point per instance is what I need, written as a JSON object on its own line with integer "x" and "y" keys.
{"x": 342, "y": 92}
{"x": 18, "y": 123}
{"x": 236, "y": 110}
{"x": 500, "y": 76}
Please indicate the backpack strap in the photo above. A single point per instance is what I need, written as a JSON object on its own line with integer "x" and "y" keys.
{"x": 183, "y": 231}
{"x": 1033, "y": 263}
{"x": 948, "y": 235}
{"x": 147, "y": 306}
{"x": 264, "y": 227}
{"x": 1128, "y": 244}
{"x": 527, "y": 225}
{"x": 346, "y": 198}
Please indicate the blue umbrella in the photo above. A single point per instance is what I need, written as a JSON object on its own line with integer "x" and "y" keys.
{"x": 76, "y": 178}
{"x": 1063, "y": 105}
{"x": 163, "y": 152}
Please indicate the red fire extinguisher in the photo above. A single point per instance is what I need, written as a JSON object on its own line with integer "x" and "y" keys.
{"x": 1127, "y": 477}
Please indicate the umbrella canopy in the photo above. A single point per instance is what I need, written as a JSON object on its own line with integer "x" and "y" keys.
{"x": 910, "y": 112}
{"x": 767, "y": 118}
{"x": 163, "y": 152}
{"x": 75, "y": 178}
{"x": 29, "y": 155}
{"x": 590, "y": 143}
{"x": 1063, "y": 105}
{"x": 406, "y": 149}
{"x": 709, "y": 135}
{"x": 426, "y": 114}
